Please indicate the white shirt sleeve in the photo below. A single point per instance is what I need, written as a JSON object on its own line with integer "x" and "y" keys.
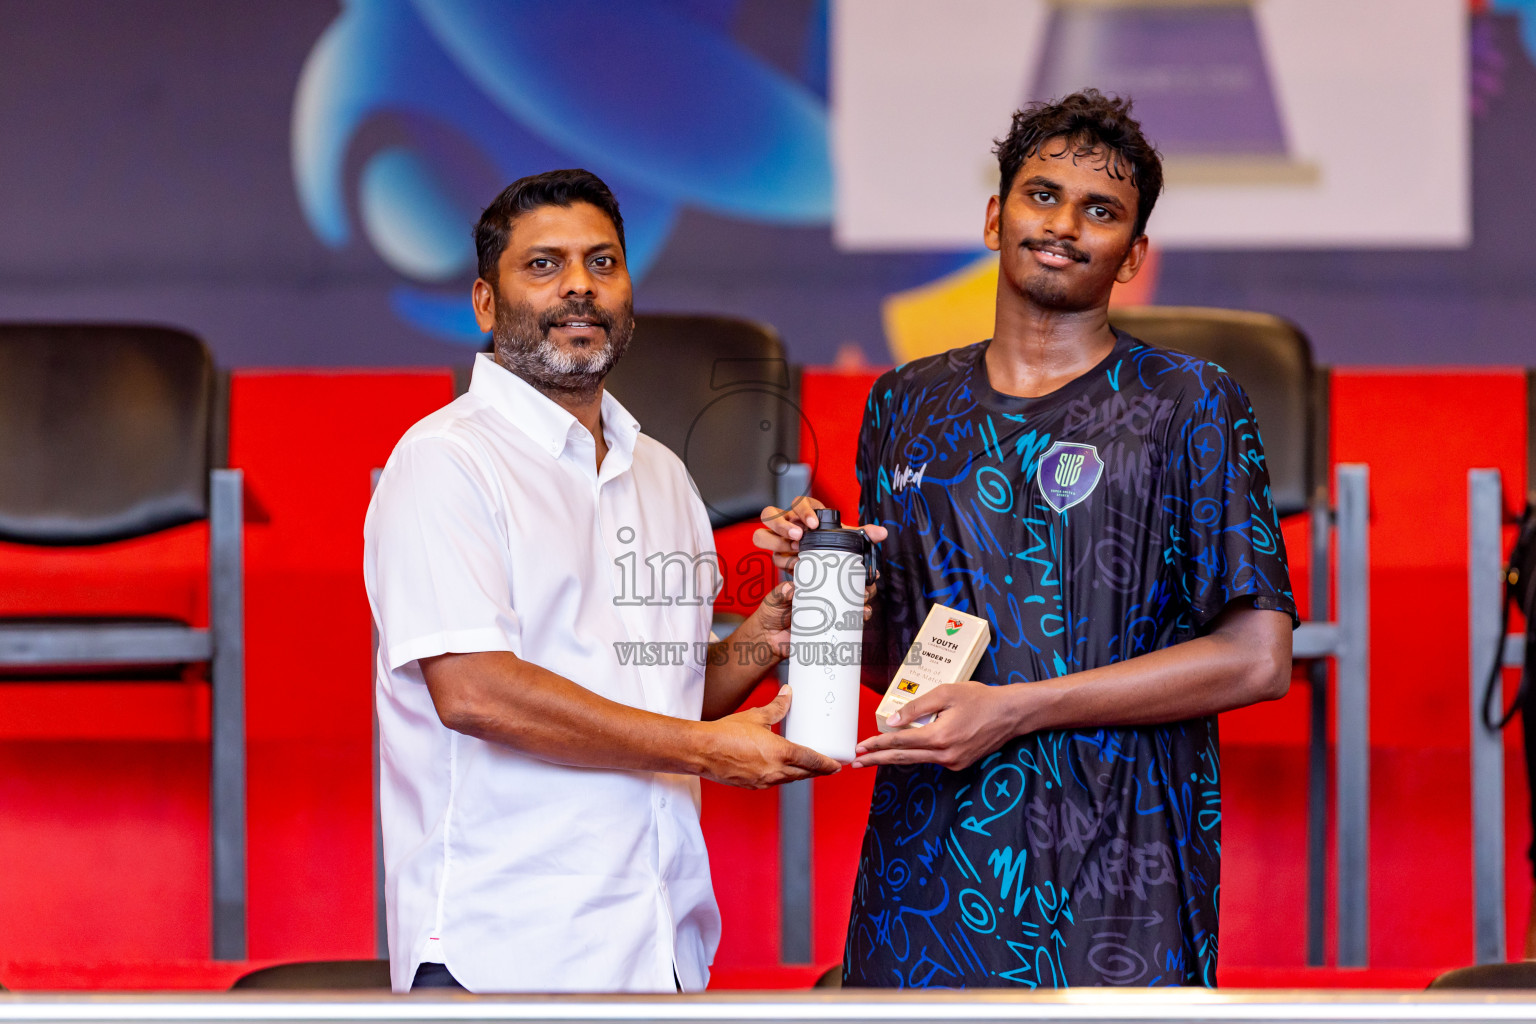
{"x": 442, "y": 561}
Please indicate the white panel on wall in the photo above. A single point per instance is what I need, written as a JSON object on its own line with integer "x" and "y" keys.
{"x": 1283, "y": 123}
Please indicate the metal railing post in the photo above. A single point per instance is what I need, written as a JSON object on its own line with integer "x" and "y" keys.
{"x": 1317, "y": 735}
{"x": 226, "y": 614}
{"x": 1485, "y": 515}
{"x": 796, "y": 811}
{"x": 1352, "y": 754}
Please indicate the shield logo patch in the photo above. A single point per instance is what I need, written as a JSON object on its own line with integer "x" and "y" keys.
{"x": 1068, "y": 473}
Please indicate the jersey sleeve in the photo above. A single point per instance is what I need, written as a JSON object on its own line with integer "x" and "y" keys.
{"x": 440, "y": 579}
{"x": 1226, "y": 525}
{"x": 866, "y": 465}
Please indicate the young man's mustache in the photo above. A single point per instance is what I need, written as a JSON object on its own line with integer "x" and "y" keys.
{"x": 1066, "y": 249}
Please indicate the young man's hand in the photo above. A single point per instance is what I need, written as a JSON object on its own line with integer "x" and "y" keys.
{"x": 780, "y": 534}
{"x": 743, "y": 750}
{"x": 783, "y": 527}
{"x": 971, "y": 720}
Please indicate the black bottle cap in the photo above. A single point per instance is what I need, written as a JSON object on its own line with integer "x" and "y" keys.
{"x": 830, "y": 535}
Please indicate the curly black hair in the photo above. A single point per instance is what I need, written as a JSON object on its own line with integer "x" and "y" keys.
{"x": 552, "y": 188}
{"x": 1087, "y": 120}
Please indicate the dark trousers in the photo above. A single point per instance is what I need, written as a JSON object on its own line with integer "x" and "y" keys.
{"x": 434, "y": 976}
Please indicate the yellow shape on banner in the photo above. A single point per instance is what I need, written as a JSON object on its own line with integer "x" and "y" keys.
{"x": 957, "y": 309}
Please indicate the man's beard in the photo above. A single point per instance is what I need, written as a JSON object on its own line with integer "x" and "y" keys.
{"x": 523, "y": 344}
{"x": 1050, "y": 291}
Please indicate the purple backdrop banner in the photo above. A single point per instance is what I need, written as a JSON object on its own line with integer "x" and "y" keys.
{"x": 296, "y": 181}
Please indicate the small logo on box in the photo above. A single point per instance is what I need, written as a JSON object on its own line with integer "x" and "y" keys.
{"x": 907, "y": 686}
{"x": 953, "y": 626}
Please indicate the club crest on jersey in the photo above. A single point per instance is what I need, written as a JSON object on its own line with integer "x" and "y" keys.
{"x": 1068, "y": 473}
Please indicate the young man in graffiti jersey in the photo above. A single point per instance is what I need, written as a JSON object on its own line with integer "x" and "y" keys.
{"x": 1105, "y": 505}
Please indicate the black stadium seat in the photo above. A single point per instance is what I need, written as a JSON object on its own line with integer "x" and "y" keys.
{"x": 1272, "y": 360}
{"x": 112, "y": 432}
{"x": 719, "y": 392}
{"x": 328, "y": 975}
{"x": 1521, "y": 974}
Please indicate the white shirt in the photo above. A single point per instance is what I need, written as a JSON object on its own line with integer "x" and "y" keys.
{"x": 493, "y": 530}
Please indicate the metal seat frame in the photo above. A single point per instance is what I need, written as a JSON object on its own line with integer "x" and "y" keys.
{"x": 1485, "y": 591}
{"x": 43, "y": 645}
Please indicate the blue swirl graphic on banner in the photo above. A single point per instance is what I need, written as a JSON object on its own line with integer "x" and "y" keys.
{"x": 1526, "y": 11}
{"x": 654, "y": 97}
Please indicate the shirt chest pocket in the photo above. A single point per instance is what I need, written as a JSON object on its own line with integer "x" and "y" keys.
{"x": 663, "y": 595}
{"x": 679, "y": 600}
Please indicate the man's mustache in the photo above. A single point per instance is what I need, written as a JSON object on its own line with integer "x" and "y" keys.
{"x": 574, "y": 310}
{"x": 1066, "y": 249}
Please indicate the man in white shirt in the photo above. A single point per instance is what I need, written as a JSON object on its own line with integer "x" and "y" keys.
{"x": 539, "y": 791}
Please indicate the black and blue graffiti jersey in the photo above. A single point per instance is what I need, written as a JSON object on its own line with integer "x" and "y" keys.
{"x": 1115, "y": 516}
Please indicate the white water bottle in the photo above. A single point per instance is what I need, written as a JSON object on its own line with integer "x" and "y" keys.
{"x": 827, "y": 632}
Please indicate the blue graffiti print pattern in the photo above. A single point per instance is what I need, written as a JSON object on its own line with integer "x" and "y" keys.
{"x": 1087, "y": 857}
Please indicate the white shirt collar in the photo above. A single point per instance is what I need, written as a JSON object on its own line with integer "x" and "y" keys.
{"x": 543, "y": 419}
